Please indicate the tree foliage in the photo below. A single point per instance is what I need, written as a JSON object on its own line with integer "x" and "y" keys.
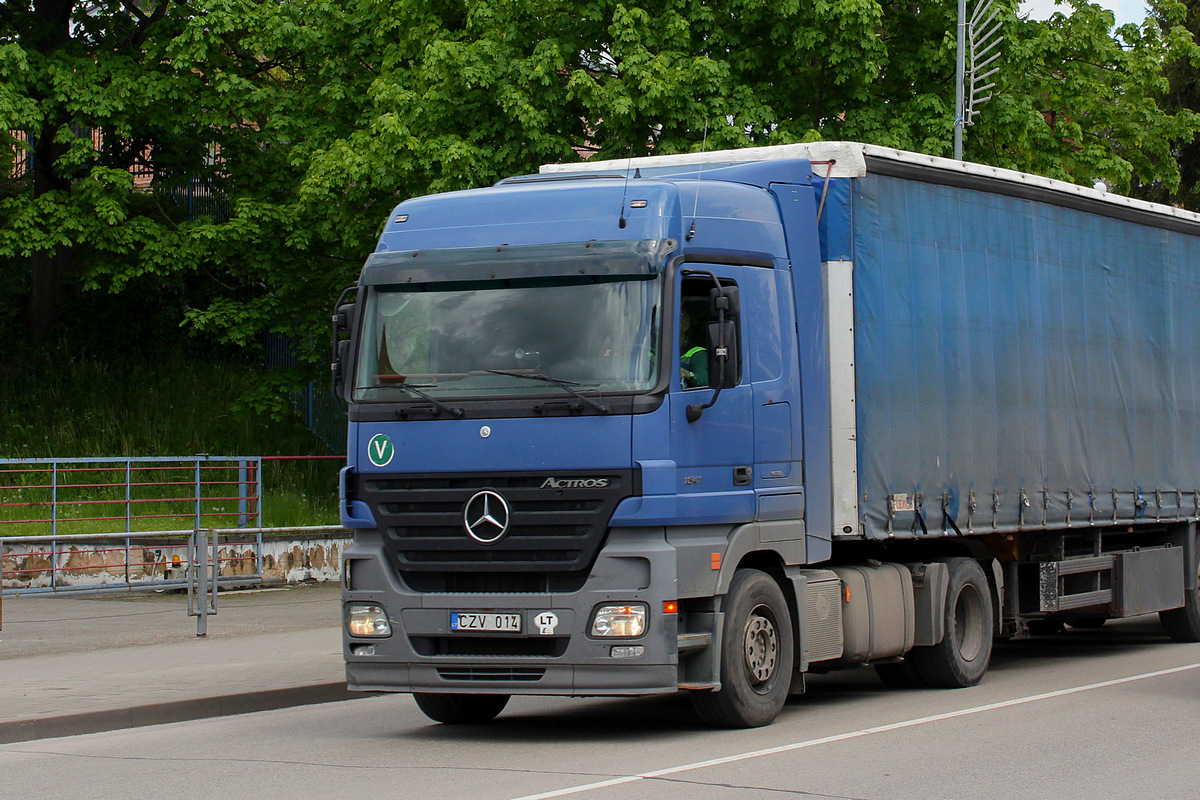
{"x": 301, "y": 123}
{"x": 211, "y": 102}
{"x": 1181, "y": 95}
{"x": 1079, "y": 102}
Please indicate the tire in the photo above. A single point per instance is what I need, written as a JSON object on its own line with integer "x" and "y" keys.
{"x": 962, "y": 657}
{"x": 461, "y": 709}
{"x": 1183, "y": 624}
{"x": 899, "y": 675}
{"x": 756, "y": 655}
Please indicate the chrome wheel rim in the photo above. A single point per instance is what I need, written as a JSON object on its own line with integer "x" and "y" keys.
{"x": 760, "y": 646}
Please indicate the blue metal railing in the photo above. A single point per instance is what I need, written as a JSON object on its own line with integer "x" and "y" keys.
{"x": 46, "y": 495}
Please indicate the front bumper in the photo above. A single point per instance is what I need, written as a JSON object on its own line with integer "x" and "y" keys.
{"x": 424, "y": 655}
{"x": 553, "y": 679}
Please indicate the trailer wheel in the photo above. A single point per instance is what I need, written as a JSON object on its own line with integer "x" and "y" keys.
{"x": 756, "y": 655}
{"x": 961, "y": 658}
{"x": 1183, "y": 624}
{"x": 461, "y": 709}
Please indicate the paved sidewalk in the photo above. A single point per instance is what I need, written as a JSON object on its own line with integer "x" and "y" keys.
{"x": 71, "y": 665}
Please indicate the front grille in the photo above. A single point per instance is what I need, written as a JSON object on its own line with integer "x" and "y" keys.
{"x": 495, "y": 582}
{"x": 554, "y": 527}
{"x": 544, "y": 646}
{"x": 515, "y": 674}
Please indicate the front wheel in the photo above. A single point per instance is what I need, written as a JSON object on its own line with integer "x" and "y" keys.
{"x": 461, "y": 709}
{"x": 961, "y": 658}
{"x": 756, "y": 655}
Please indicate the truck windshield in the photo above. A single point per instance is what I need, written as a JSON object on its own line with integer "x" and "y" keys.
{"x": 510, "y": 338}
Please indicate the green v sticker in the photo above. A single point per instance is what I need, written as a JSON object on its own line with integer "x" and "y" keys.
{"x": 380, "y": 450}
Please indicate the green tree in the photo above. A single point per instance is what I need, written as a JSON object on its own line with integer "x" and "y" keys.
{"x": 1075, "y": 99}
{"x": 67, "y": 69}
{"x": 1079, "y": 101}
{"x": 306, "y": 121}
{"x": 1181, "y": 94}
{"x": 209, "y": 100}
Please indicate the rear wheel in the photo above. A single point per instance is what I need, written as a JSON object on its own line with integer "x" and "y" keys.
{"x": 1183, "y": 624}
{"x": 461, "y": 709}
{"x": 961, "y": 658}
{"x": 756, "y": 655}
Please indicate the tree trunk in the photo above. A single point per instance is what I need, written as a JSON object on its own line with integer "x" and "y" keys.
{"x": 46, "y": 290}
{"x": 50, "y": 30}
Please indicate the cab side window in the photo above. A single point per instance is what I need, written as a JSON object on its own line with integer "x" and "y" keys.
{"x": 697, "y": 359}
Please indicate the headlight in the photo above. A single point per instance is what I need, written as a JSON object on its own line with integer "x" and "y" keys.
{"x": 368, "y": 620}
{"x": 627, "y": 620}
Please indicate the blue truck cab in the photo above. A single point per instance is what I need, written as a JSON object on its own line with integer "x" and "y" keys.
{"x": 606, "y": 438}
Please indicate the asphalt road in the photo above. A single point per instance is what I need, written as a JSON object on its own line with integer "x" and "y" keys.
{"x": 1107, "y": 714}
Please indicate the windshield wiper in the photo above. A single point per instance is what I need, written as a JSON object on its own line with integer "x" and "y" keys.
{"x": 566, "y": 386}
{"x": 438, "y": 404}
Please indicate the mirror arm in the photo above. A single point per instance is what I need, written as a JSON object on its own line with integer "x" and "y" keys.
{"x": 696, "y": 410}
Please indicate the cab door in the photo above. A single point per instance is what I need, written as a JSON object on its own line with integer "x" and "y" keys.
{"x": 714, "y": 454}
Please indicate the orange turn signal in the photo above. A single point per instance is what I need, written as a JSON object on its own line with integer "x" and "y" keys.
{"x": 670, "y": 606}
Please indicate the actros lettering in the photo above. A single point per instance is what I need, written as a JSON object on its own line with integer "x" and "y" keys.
{"x": 575, "y": 483}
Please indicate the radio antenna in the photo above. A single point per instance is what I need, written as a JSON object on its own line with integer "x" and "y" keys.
{"x": 696, "y": 204}
{"x": 625, "y": 190}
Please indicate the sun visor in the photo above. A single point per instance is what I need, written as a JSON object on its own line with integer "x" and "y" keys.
{"x": 624, "y": 257}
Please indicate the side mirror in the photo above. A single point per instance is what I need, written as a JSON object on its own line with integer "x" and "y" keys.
{"x": 723, "y": 361}
{"x": 344, "y": 319}
{"x": 724, "y": 365}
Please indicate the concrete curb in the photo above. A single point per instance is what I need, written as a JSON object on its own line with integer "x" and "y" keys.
{"x": 25, "y": 730}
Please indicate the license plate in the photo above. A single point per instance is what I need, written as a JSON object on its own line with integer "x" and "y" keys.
{"x": 483, "y": 621}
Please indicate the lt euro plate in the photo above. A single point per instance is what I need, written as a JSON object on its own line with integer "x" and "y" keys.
{"x": 485, "y": 621}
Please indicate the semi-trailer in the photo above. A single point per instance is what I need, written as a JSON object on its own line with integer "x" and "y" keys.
{"x": 718, "y": 421}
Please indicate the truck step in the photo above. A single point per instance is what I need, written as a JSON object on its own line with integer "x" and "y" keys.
{"x": 694, "y": 641}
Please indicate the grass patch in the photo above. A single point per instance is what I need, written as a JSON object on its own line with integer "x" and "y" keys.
{"x": 64, "y": 403}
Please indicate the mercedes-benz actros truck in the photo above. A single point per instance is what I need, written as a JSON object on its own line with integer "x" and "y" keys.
{"x": 716, "y": 422}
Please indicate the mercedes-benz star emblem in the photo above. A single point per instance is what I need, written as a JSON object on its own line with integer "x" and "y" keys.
{"x": 485, "y": 517}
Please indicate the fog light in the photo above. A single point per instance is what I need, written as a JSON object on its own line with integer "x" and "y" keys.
{"x": 627, "y": 651}
{"x": 628, "y": 620}
{"x": 362, "y": 649}
{"x": 368, "y": 620}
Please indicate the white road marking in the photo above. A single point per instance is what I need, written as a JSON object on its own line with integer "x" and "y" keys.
{"x": 841, "y": 737}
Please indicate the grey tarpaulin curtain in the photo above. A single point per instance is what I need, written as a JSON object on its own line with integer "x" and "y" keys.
{"x": 1036, "y": 359}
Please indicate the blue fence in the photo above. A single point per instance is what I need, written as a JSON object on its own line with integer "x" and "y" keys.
{"x": 81, "y": 495}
